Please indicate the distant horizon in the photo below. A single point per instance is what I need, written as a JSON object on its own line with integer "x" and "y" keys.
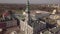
{"x": 24, "y": 3}
{"x": 31, "y": 1}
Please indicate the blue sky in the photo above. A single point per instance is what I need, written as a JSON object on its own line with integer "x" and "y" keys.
{"x": 31, "y": 1}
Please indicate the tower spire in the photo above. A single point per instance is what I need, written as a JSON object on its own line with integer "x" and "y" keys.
{"x": 28, "y": 10}
{"x": 27, "y": 15}
{"x": 27, "y": 6}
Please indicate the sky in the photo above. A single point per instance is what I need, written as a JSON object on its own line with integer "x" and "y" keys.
{"x": 31, "y": 1}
